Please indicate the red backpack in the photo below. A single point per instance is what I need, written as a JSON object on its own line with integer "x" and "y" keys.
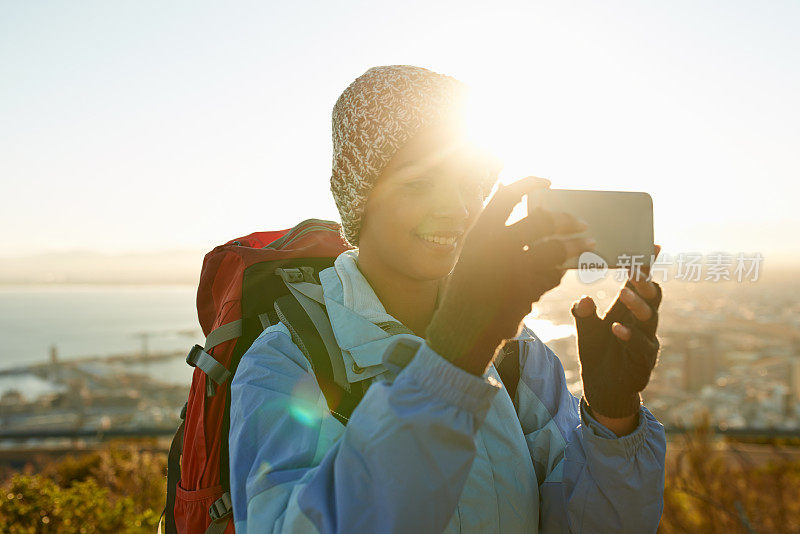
{"x": 246, "y": 285}
{"x": 239, "y": 284}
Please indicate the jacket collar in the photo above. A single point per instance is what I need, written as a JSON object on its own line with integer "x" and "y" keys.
{"x": 362, "y": 328}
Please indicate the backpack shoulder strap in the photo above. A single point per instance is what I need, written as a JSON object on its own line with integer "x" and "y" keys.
{"x": 509, "y": 368}
{"x": 309, "y": 325}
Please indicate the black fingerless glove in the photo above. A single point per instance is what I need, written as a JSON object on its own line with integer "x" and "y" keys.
{"x": 615, "y": 371}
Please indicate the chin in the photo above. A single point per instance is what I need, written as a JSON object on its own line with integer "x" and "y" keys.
{"x": 430, "y": 267}
{"x": 430, "y": 272}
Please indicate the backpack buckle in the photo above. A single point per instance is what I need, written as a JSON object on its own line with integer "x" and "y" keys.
{"x": 295, "y": 275}
{"x": 221, "y": 508}
{"x": 191, "y": 358}
{"x": 217, "y": 372}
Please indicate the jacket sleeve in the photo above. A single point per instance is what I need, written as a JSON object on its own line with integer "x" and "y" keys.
{"x": 589, "y": 479}
{"x": 399, "y": 465}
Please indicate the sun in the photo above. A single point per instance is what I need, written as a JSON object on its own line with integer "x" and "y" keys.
{"x": 495, "y": 124}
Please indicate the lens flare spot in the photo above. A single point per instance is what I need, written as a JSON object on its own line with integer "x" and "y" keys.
{"x": 303, "y": 414}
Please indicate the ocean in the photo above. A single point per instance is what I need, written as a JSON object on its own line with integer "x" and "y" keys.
{"x": 94, "y": 320}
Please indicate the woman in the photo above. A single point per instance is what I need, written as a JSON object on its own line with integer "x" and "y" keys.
{"x": 420, "y": 309}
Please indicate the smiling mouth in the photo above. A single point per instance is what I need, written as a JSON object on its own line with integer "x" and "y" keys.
{"x": 442, "y": 242}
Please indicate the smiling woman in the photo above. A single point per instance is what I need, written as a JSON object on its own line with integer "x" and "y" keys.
{"x": 437, "y": 286}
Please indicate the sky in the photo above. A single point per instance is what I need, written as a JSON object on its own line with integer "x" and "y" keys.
{"x": 138, "y": 127}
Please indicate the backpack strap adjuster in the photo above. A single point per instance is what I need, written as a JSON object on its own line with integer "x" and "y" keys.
{"x": 199, "y": 356}
{"x": 217, "y": 372}
{"x": 221, "y": 508}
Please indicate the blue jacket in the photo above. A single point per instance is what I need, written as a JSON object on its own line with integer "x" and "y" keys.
{"x": 430, "y": 448}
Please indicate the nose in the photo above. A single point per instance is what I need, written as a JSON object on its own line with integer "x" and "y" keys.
{"x": 451, "y": 201}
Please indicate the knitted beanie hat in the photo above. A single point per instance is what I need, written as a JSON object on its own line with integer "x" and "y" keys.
{"x": 375, "y": 116}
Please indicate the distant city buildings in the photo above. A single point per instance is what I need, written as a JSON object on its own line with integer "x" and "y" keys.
{"x": 700, "y": 360}
{"x": 729, "y": 349}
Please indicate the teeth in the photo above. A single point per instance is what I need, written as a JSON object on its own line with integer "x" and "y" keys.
{"x": 439, "y": 240}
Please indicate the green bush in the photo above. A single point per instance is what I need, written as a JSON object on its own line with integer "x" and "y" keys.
{"x": 34, "y": 504}
{"x": 118, "y": 489}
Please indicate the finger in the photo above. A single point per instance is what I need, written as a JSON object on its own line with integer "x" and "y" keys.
{"x": 622, "y": 332}
{"x": 587, "y": 323}
{"x": 552, "y": 252}
{"x": 642, "y": 350}
{"x": 650, "y": 292}
{"x": 618, "y": 310}
{"x": 625, "y": 310}
{"x": 541, "y": 223}
{"x": 645, "y": 288}
{"x": 506, "y": 197}
{"x": 656, "y": 252}
{"x": 584, "y": 307}
{"x": 643, "y": 271}
{"x": 636, "y": 304}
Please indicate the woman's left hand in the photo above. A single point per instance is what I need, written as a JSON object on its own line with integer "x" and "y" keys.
{"x": 619, "y": 351}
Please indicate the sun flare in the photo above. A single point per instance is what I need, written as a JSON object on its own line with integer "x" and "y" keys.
{"x": 495, "y": 123}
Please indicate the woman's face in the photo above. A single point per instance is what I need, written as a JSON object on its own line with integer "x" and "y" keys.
{"x": 430, "y": 188}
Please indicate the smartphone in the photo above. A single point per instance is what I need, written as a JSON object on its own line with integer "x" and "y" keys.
{"x": 621, "y": 222}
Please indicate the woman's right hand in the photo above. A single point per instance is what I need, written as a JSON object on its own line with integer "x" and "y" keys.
{"x": 501, "y": 272}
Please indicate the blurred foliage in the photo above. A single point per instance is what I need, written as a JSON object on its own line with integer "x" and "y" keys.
{"x": 121, "y": 489}
{"x": 117, "y": 489}
{"x": 713, "y": 489}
